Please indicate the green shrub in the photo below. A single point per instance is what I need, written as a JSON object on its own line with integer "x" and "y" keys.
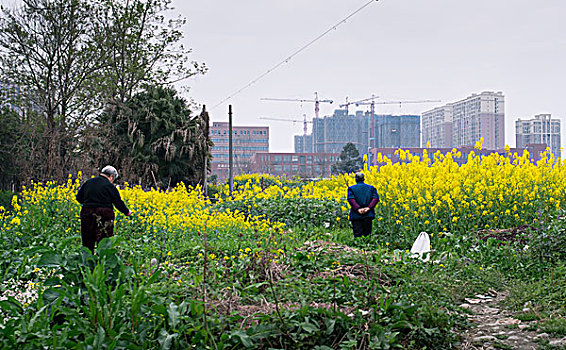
{"x": 303, "y": 212}
{"x": 549, "y": 242}
{"x": 555, "y": 326}
{"x": 6, "y": 199}
{"x": 544, "y": 293}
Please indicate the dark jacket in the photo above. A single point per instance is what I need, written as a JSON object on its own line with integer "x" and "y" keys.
{"x": 99, "y": 192}
{"x": 363, "y": 194}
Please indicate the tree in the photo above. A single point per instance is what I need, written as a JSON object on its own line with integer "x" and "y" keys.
{"x": 9, "y": 147}
{"x": 350, "y": 160}
{"x": 143, "y": 48}
{"x": 152, "y": 138}
{"x": 71, "y": 58}
{"x": 49, "y": 51}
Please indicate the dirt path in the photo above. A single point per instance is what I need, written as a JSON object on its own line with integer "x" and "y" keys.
{"x": 495, "y": 328}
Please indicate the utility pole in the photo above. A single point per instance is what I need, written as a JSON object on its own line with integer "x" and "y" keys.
{"x": 230, "y": 151}
{"x": 205, "y": 120}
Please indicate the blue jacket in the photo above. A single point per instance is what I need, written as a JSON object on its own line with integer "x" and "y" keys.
{"x": 363, "y": 194}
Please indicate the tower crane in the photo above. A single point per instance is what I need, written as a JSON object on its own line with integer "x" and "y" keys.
{"x": 348, "y": 103}
{"x": 371, "y": 102}
{"x": 316, "y": 101}
{"x": 304, "y": 121}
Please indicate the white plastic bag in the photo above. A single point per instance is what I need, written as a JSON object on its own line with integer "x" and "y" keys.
{"x": 421, "y": 247}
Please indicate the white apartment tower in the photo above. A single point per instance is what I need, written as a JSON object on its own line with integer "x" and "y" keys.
{"x": 437, "y": 127}
{"x": 541, "y": 129}
{"x": 465, "y": 122}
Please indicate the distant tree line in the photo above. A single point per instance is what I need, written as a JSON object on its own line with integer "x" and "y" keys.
{"x": 85, "y": 83}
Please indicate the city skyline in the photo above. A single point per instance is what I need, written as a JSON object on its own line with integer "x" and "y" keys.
{"x": 465, "y": 122}
{"x": 398, "y": 50}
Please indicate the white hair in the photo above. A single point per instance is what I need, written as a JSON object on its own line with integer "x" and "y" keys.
{"x": 110, "y": 171}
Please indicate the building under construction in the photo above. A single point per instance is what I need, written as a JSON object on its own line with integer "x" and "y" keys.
{"x": 331, "y": 133}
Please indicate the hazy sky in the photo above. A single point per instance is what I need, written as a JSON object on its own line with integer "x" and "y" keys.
{"x": 395, "y": 49}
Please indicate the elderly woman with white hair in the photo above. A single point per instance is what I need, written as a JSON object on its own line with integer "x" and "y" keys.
{"x": 98, "y": 197}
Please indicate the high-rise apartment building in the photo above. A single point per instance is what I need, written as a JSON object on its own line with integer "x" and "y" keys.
{"x": 437, "y": 127}
{"x": 303, "y": 143}
{"x": 541, "y": 129}
{"x": 397, "y": 131}
{"x": 477, "y": 116}
{"x": 331, "y": 133}
{"x": 246, "y": 141}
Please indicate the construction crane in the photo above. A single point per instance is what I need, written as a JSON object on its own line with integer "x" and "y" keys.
{"x": 348, "y": 103}
{"x": 304, "y": 121}
{"x": 371, "y": 102}
{"x": 316, "y": 101}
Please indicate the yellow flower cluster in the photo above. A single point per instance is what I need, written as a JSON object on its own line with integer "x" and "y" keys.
{"x": 180, "y": 211}
{"x": 259, "y": 186}
{"x": 10, "y": 220}
{"x": 437, "y": 193}
{"x": 39, "y": 193}
{"x": 185, "y": 210}
{"x": 434, "y": 191}
{"x": 491, "y": 189}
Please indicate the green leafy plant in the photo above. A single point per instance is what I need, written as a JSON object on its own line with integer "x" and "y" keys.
{"x": 294, "y": 212}
{"x": 549, "y": 242}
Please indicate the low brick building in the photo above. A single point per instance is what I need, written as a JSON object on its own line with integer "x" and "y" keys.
{"x": 309, "y": 165}
{"x": 246, "y": 141}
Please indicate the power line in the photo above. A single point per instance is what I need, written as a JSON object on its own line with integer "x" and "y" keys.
{"x": 286, "y": 60}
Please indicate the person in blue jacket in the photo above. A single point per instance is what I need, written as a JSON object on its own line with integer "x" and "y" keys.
{"x": 98, "y": 197}
{"x": 362, "y": 198}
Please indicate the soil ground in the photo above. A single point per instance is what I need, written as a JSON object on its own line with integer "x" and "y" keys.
{"x": 493, "y": 327}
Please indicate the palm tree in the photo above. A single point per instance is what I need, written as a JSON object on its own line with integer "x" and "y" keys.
{"x": 154, "y": 138}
